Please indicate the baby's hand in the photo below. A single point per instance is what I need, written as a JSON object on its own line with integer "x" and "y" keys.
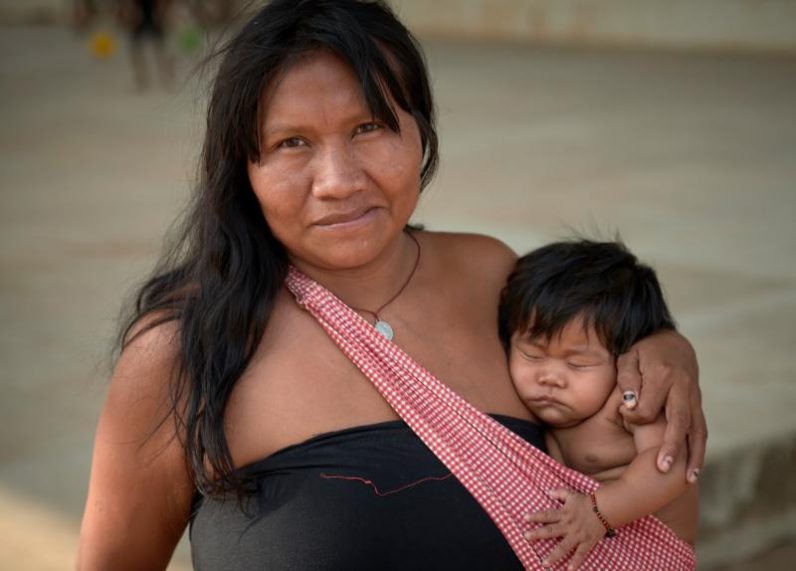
{"x": 576, "y": 523}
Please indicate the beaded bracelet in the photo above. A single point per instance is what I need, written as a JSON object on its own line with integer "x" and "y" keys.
{"x": 609, "y": 531}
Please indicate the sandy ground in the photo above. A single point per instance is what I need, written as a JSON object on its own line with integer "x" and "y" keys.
{"x": 690, "y": 157}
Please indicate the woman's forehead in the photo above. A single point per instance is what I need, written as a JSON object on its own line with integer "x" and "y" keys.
{"x": 318, "y": 87}
{"x": 317, "y": 75}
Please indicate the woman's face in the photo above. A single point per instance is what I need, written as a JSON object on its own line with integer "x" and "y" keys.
{"x": 335, "y": 185}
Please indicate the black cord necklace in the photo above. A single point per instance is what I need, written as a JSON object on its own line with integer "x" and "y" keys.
{"x": 381, "y": 325}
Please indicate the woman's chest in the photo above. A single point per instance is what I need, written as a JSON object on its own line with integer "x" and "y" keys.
{"x": 302, "y": 384}
{"x": 364, "y": 498}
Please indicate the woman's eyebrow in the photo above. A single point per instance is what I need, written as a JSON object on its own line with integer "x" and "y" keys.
{"x": 276, "y": 128}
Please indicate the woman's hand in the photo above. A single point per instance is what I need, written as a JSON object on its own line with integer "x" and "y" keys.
{"x": 576, "y": 523}
{"x": 662, "y": 371}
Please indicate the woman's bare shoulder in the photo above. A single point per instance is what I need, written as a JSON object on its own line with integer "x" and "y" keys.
{"x": 139, "y": 406}
{"x": 475, "y": 254}
{"x": 147, "y": 360}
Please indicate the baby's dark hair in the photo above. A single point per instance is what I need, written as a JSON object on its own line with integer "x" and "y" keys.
{"x": 600, "y": 282}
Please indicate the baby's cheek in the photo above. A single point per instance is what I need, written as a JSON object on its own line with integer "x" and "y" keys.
{"x": 522, "y": 372}
{"x": 523, "y": 385}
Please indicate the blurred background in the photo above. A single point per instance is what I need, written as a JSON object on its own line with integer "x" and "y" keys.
{"x": 672, "y": 122}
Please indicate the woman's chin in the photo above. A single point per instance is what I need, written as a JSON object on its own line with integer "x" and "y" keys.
{"x": 341, "y": 254}
{"x": 347, "y": 248}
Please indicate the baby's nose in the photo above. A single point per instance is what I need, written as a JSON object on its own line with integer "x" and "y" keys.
{"x": 552, "y": 378}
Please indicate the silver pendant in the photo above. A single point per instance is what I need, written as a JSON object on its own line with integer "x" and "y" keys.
{"x": 384, "y": 328}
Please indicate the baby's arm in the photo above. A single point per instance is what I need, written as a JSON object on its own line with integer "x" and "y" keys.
{"x": 640, "y": 491}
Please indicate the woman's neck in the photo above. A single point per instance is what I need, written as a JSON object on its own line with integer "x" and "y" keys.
{"x": 371, "y": 285}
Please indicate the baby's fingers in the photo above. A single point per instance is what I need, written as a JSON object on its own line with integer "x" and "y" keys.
{"x": 549, "y": 516}
{"x": 559, "y": 552}
{"x": 544, "y": 532}
{"x": 578, "y": 557}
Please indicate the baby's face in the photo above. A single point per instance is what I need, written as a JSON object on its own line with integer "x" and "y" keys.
{"x": 563, "y": 381}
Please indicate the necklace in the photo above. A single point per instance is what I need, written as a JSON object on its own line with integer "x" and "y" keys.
{"x": 381, "y": 325}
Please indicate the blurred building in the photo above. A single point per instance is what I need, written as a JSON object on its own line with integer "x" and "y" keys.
{"x": 705, "y": 24}
{"x": 713, "y": 24}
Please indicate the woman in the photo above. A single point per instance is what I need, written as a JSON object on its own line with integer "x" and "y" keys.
{"x": 320, "y": 137}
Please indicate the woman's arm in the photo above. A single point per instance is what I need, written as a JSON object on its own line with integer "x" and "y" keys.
{"x": 640, "y": 491}
{"x": 662, "y": 371}
{"x": 140, "y": 491}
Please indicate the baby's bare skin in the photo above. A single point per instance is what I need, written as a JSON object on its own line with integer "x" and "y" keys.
{"x": 602, "y": 448}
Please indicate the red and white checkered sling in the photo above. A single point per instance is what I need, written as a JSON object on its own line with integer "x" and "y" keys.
{"x": 503, "y": 472}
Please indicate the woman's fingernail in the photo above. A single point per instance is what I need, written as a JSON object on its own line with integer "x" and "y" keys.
{"x": 629, "y": 399}
{"x": 666, "y": 463}
{"x": 692, "y": 477}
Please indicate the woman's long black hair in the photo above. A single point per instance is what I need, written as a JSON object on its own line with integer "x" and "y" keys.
{"x": 218, "y": 280}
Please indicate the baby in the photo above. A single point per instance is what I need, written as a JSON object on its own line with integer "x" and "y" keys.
{"x": 568, "y": 310}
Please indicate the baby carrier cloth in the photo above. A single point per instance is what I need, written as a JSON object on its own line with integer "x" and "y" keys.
{"x": 506, "y": 475}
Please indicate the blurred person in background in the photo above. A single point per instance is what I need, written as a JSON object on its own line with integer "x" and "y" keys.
{"x": 83, "y": 13}
{"x": 147, "y": 22}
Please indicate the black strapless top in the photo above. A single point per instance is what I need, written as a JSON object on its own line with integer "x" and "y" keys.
{"x": 369, "y": 497}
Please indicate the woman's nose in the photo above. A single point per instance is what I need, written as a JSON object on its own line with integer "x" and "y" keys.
{"x": 337, "y": 173}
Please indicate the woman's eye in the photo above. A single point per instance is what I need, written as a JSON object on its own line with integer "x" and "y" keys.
{"x": 291, "y": 143}
{"x": 367, "y": 128}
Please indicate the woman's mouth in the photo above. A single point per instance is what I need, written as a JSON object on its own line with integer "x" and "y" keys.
{"x": 346, "y": 218}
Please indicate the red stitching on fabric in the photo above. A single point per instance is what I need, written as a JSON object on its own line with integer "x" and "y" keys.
{"x": 388, "y": 492}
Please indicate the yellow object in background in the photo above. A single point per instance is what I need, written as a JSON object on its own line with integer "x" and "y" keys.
{"x": 102, "y": 45}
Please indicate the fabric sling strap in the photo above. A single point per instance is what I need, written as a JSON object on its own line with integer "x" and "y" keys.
{"x": 505, "y": 474}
